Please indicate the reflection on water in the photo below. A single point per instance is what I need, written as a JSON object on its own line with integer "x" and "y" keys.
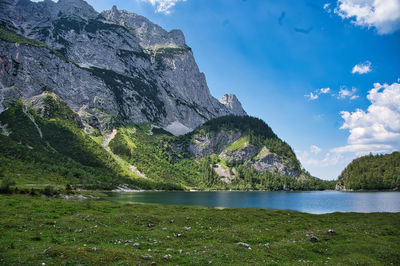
{"x": 312, "y": 201}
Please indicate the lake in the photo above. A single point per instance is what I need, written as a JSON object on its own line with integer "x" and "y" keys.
{"x": 317, "y": 202}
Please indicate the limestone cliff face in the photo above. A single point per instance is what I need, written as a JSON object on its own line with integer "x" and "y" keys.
{"x": 113, "y": 63}
{"x": 232, "y": 102}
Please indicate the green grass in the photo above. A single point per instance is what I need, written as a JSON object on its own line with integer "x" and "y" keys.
{"x": 151, "y": 155}
{"x": 239, "y": 144}
{"x": 62, "y": 232}
{"x": 64, "y": 155}
{"x": 12, "y": 37}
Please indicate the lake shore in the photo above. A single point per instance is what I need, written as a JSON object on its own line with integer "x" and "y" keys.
{"x": 54, "y": 231}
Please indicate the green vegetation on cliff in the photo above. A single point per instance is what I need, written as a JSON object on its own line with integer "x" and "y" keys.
{"x": 53, "y": 149}
{"x": 256, "y": 130}
{"x": 372, "y": 172}
{"x": 12, "y": 37}
{"x": 150, "y": 153}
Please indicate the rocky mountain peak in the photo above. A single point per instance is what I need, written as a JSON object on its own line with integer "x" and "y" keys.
{"x": 232, "y": 102}
{"x": 113, "y": 66}
{"x": 75, "y": 8}
{"x": 149, "y": 33}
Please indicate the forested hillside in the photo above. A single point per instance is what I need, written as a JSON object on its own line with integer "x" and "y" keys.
{"x": 372, "y": 172}
{"x": 52, "y": 148}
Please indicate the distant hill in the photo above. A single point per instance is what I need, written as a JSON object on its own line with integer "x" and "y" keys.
{"x": 372, "y": 172}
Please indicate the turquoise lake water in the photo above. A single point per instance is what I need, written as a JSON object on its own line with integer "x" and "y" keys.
{"x": 316, "y": 202}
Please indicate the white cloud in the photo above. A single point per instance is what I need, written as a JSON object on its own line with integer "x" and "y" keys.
{"x": 384, "y": 15}
{"x": 327, "y": 7}
{"x": 312, "y": 96}
{"x": 378, "y": 128}
{"x": 315, "y": 94}
{"x": 362, "y": 68}
{"x": 324, "y": 160}
{"x": 362, "y": 149}
{"x": 315, "y": 149}
{"x": 375, "y": 130}
{"x": 163, "y": 6}
{"x": 324, "y": 90}
{"x": 344, "y": 93}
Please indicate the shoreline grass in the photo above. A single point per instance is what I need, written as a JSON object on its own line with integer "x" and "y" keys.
{"x": 38, "y": 230}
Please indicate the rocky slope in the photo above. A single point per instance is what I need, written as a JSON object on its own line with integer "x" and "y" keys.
{"x": 240, "y": 141}
{"x": 42, "y": 142}
{"x": 110, "y": 66}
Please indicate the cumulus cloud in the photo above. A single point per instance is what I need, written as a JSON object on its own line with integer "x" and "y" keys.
{"x": 384, "y": 15}
{"x": 376, "y": 129}
{"x": 327, "y": 7}
{"x": 315, "y": 149}
{"x": 315, "y": 94}
{"x": 362, "y": 68}
{"x": 312, "y": 96}
{"x": 324, "y": 90}
{"x": 163, "y": 6}
{"x": 345, "y": 93}
{"x": 324, "y": 160}
{"x": 362, "y": 149}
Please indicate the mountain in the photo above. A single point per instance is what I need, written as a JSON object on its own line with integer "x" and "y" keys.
{"x": 371, "y": 172}
{"x": 102, "y": 100}
{"x": 42, "y": 141}
{"x": 115, "y": 64}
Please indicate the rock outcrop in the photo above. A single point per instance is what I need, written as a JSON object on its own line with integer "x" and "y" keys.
{"x": 232, "y": 102}
{"x": 233, "y": 144}
{"x": 113, "y": 63}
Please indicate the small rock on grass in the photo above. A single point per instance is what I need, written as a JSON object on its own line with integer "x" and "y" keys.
{"x": 314, "y": 239}
{"x": 168, "y": 256}
{"x": 46, "y": 250}
{"x": 243, "y": 245}
{"x": 146, "y": 257}
{"x": 331, "y": 232}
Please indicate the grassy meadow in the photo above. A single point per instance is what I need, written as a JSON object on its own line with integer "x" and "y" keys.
{"x": 54, "y": 231}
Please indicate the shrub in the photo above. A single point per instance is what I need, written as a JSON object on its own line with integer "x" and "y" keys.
{"x": 49, "y": 191}
{"x": 5, "y": 185}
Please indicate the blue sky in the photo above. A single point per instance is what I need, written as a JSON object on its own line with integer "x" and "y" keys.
{"x": 304, "y": 67}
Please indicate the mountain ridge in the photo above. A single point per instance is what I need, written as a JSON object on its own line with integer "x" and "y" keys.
{"x": 141, "y": 72}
